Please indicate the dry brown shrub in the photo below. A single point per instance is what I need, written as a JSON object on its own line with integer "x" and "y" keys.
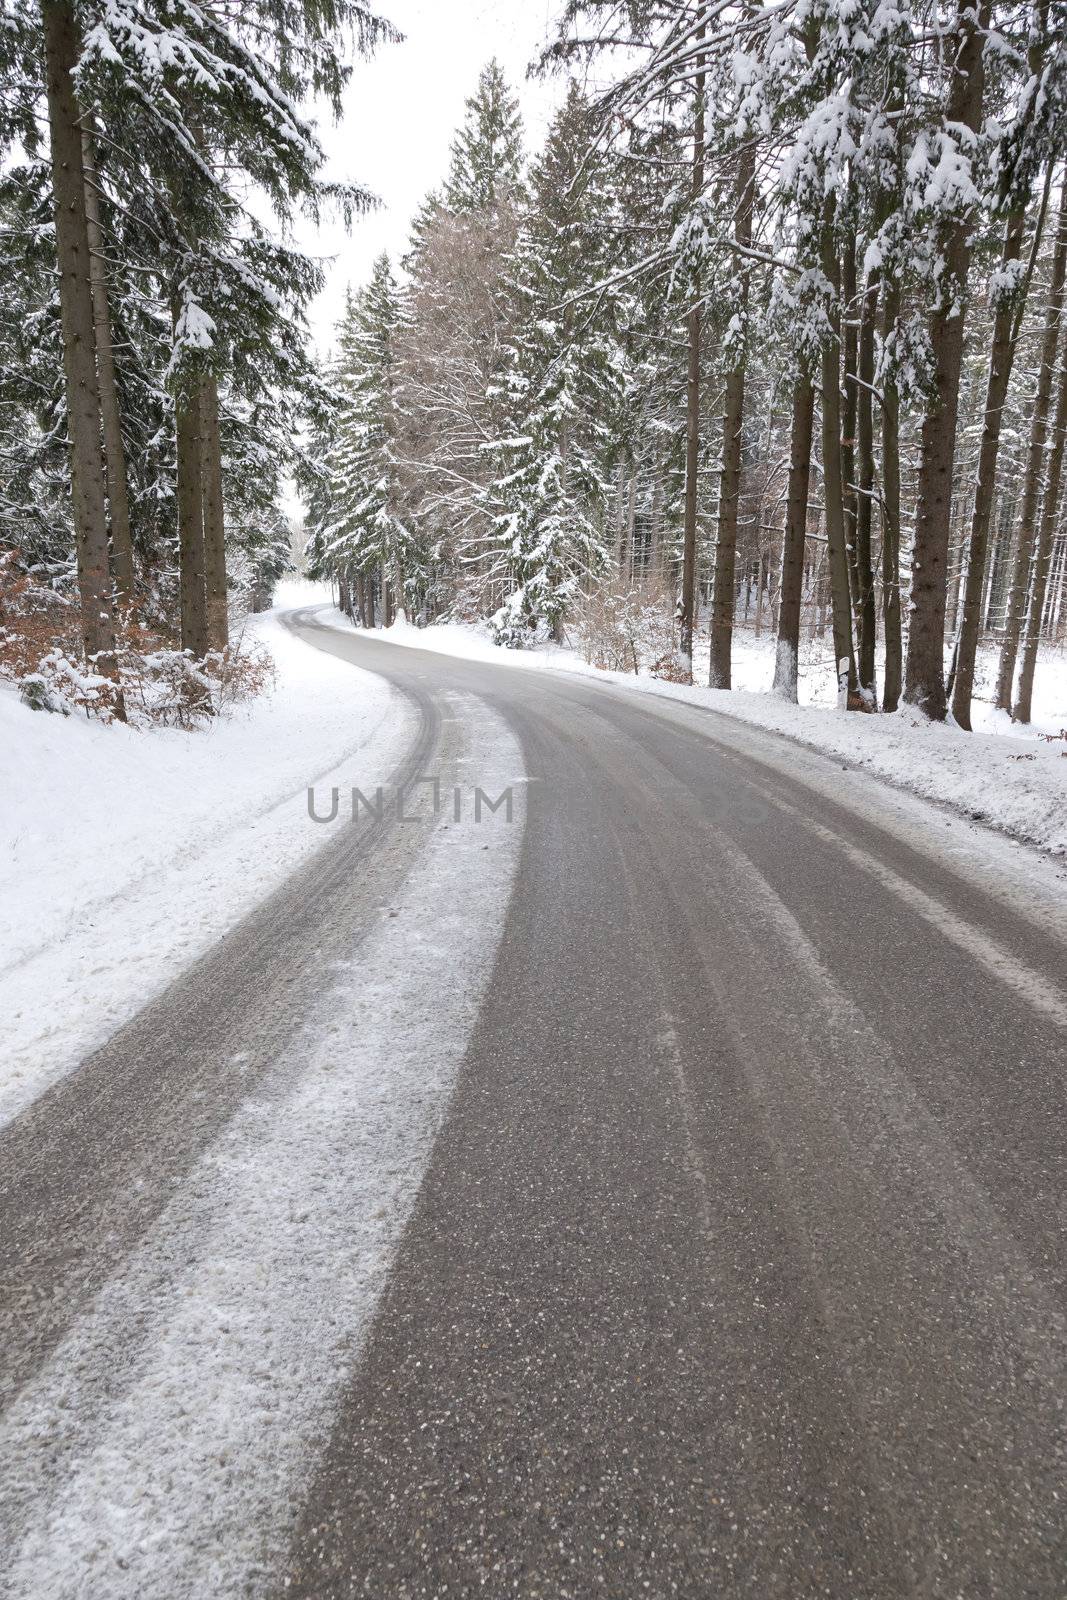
{"x": 671, "y": 668}
{"x": 625, "y": 627}
{"x": 161, "y": 684}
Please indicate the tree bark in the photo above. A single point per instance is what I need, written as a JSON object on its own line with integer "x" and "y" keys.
{"x": 866, "y": 613}
{"x": 837, "y": 555}
{"x": 118, "y": 498}
{"x": 216, "y": 616}
{"x": 1001, "y": 358}
{"x": 849, "y": 343}
{"x": 925, "y": 668}
{"x": 733, "y": 419}
{"x": 620, "y": 517}
{"x": 1057, "y": 587}
{"x": 687, "y": 598}
{"x": 192, "y": 587}
{"x": 89, "y": 503}
{"x": 1035, "y": 463}
{"x": 1042, "y": 552}
{"x": 796, "y": 526}
{"x": 890, "y": 510}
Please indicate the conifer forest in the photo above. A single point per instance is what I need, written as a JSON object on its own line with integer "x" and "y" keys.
{"x": 533, "y": 799}
{"x": 766, "y": 333}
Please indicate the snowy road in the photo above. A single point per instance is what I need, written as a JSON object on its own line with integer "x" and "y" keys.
{"x": 729, "y": 1261}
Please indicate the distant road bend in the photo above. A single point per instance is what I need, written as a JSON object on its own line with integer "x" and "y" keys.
{"x": 738, "y": 1267}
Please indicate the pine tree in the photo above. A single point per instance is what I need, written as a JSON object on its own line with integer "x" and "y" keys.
{"x": 359, "y": 528}
{"x": 198, "y": 127}
{"x": 563, "y": 389}
{"x": 942, "y": 172}
{"x": 486, "y": 154}
{"x": 61, "y": 52}
{"x": 453, "y": 347}
{"x": 1040, "y": 408}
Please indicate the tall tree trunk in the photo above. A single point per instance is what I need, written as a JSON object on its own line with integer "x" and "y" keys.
{"x": 796, "y": 525}
{"x": 925, "y": 668}
{"x": 954, "y": 587}
{"x": 687, "y": 598}
{"x": 1042, "y": 552}
{"x": 890, "y": 510}
{"x": 1057, "y": 574}
{"x": 821, "y": 590}
{"x": 118, "y": 498}
{"x": 833, "y": 488}
{"x": 218, "y": 636}
{"x": 79, "y": 344}
{"x": 849, "y": 343}
{"x": 631, "y": 518}
{"x": 1001, "y": 357}
{"x": 733, "y": 418}
{"x": 1035, "y": 462}
{"x": 655, "y": 520}
{"x": 620, "y": 518}
{"x": 192, "y": 586}
{"x": 866, "y": 614}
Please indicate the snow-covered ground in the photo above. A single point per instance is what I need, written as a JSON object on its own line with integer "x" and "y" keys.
{"x": 1011, "y": 777}
{"x": 125, "y": 853}
{"x": 163, "y": 1450}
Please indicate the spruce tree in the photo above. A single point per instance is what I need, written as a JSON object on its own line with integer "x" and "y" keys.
{"x": 359, "y": 524}
{"x": 454, "y": 346}
{"x": 486, "y": 164}
{"x": 198, "y": 306}
{"x": 62, "y": 45}
{"x": 563, "y": 387}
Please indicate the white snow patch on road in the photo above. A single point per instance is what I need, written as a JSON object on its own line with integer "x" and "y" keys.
{"x": 1007, "y": 776}
{"x": 162, "y": 1452}
{"x": 125, "y": 853}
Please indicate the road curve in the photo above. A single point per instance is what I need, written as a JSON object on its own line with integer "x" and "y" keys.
{"x": 739, "y": 1265}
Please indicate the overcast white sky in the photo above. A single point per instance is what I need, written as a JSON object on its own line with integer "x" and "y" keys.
{"x": 401, "y": 111}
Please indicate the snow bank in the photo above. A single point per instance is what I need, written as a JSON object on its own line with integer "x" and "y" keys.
{"x": 125, "y": 853}
{"x": 1010, "y": 777}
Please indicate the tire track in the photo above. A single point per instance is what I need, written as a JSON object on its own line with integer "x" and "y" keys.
{"x": 87, "y": 1167}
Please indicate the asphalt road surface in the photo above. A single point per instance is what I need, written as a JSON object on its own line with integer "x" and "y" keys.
{"x": 739, "y": 1264}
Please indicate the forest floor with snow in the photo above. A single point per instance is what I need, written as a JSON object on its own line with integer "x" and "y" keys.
{"x": 125, "y": 853}
{"x": 1009, "y": 776}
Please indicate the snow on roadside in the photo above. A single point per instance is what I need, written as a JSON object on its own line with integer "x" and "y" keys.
{"x": 163, "y": 1450}
{"x": 1010, "y": 778}
{"x": 1020, "y": 790}
{"x": 125, "y": 853}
